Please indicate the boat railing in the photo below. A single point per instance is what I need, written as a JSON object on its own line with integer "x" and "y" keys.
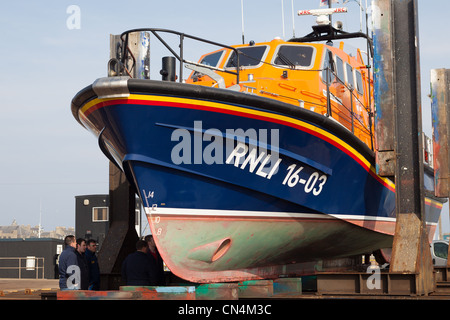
{"x": 178, "y": 54}
{"x": 331, "y": 77}
{"x": 353, "y": 96}
{"x": 367, "y": 128}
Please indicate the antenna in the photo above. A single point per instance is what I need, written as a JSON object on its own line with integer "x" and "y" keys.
{"x": 293, "y": 17}
{"x": 282, "y": 16}
{"x": 40, "y": 218}
{"x": 358, "y": 2}
{"x": 242, "y": 17}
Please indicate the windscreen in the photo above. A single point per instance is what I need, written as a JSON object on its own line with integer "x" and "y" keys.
{"x": 294, "y": 56}
{"x": 248, "y": 57}
{"x": 212, "y": 59}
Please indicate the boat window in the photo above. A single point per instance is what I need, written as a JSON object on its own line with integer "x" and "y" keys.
{"x": 340, "y": 69}
{"x": 441, "y": 250}
{"x": 328, "y": 59}
{"x": 359, "y": 83}
{"x": 212, "y": 59}
{"x": 350, "y": 79}
{"x": 294, "y": 56}
{"x": 248, "y": 57}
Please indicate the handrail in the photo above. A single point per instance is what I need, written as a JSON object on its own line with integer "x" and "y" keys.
{"x": 180, "y": 56}
{"x": 34, "y": 267}
{"x": 352, "y": 95}
{"x": 351, "y": 90}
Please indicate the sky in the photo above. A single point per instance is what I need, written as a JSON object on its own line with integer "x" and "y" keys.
{"x": 47, "y": 158}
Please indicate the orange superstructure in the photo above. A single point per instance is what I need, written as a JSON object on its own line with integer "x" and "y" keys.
{"x": 296, "y": 73}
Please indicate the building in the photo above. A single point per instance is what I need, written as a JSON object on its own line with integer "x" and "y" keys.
{"x": 31, "y": 258}
{"x": 92, "y": 217}
{"x": 16, "y": 231}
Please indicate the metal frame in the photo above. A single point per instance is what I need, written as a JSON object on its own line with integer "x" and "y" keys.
{"x": 355, "y": 283}
{"x": 36, "y": 267}
{"x": 179, "y": 56}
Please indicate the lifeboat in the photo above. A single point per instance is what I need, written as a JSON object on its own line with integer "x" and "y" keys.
{"x": 259, "y": 164}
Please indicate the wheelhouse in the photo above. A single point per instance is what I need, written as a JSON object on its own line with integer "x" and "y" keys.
{"x": 296, "y": 73}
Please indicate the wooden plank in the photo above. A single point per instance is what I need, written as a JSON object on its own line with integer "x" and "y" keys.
{"x": 440, "y": 79}
{"x": 162, "y": 292}
{"x": 287, "y": 286}
{"x": 256, "y": 289}
{"x": 217, "y": 291}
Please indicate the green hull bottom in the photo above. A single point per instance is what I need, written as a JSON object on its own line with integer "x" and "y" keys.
{"x": 209, "y": 248}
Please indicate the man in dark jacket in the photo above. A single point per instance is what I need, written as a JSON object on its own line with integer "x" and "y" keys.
{"x": 82, "y": 263}
{"x": 92, "y": 261}
{"x": 136, "y": 268}
{"x": 69, "y": 271}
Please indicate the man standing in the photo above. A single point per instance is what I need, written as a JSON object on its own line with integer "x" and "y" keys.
{"x": 92, "y": 261}
{"x": 136, "y": 268}
{"x": 69, "y": 271}
{"x": 82, "y": 263}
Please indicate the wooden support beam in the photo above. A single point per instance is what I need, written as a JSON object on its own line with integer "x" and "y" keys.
{"x": 384, "y": 89}
{"x": 121, "y": 237}
{"x": 440, "y": 111}
{"x": 400, "y": 90}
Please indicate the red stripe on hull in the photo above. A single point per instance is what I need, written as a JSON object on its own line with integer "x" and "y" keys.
{"x": 240, "y": 114}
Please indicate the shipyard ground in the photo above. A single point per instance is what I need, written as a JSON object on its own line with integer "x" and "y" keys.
{"x": 26, "y": 289}
{"x": 338, "y": 286}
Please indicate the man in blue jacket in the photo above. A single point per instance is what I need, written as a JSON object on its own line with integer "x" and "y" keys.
{"x": 94, "y": 271}
{"x": 69, "y": 271}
